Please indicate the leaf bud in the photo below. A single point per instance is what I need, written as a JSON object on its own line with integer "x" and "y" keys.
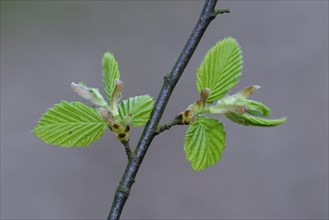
{"x": 116, "y": 96}
{"x": 246, "y": 92}
{"x": 107, "y": 116}
{"x": 120, "y": 130}
{"x": 91, "y": 94}
{"x": 204, "y": 96}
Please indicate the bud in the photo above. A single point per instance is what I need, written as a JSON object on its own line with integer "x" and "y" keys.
{"x": 91, "y": 94}
{"x": 121, "y": 130}
{"x": 190, "y": 114}
{"x": 204, "y": 96}
{"x": 116, "y": 96}
{"x": 107, "y": 116}
{"x": 246, "y": 92}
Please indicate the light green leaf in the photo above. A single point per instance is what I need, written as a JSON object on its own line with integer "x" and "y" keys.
{"x": 70, "y": 124}
{"x": 220, "y": 70}
{"x": 222, "y": 108}
{"x": 91, "y": 94}
{"x": 204, "y": 142}
{"x": 110, "y": 73}
{"x": 136, "y": 110}
{"x": 256, "y": 108}
{"x": 248, "y": 120}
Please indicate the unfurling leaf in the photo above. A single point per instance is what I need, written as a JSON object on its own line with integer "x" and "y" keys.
{"x": 136, "y": 110}
{"x": 204, "y": 142}
{"x": 220, "y": 70}
{"x": 70, "y": 124}
{"x": 222, "y": 108}
{"x": 91, "y": 94}
{"x": 245, "y": 93}
{"x": 110, "y": 73}
{"x": 239, "y": 104}
{"x": 116, "y": 96}
{"x": 248, "y": 120}
{"x": 256, "y": 108}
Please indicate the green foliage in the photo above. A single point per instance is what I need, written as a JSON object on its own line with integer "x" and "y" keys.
{"x": 75, "y": 124}
{"x": 110, "y": 73}
{"x": 136, "y": 110}
{"x": 204, "y": 142}
{"x": 248, "y": 120}
{"x": 70, "y": 124}
{"x": 220, "y": 70}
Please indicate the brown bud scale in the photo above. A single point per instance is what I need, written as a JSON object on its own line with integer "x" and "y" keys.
{"x": 121, "y": 135}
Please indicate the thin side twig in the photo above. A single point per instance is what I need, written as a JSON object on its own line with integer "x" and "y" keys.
{"x": 218, "y": 11}
{"x": 128, "y": 149}
{"x": 167, "y": 126}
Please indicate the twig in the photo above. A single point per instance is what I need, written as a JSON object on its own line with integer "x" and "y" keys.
{"x": 150, "y": 130}
{"x": 218, "y": 11}
{"x": 128, "y": 149}
{"x": 161, "y": 128}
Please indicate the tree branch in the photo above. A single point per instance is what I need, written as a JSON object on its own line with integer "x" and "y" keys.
{"x": 150, "y": 130}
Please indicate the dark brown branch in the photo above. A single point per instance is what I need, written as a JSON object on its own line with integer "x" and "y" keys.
{"x": 150, "y": 130}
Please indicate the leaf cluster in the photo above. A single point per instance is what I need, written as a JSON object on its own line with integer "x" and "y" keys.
{"x": 76, "y": 124}
{"x": 219, "y": 71}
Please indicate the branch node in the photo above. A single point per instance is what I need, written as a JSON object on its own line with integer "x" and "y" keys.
{"x": 124, "y": 190}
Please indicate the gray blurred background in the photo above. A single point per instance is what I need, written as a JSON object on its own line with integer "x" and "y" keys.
{"x": 279, "y": 172}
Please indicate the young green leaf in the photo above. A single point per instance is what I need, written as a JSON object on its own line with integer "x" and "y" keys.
{"x": 204, "y": 142}
{"x": 220, "y": 70}
{"x": 248, "y": 120}
{"x": 70, "y": 124}
{"x": 116, "y": 96}
{"x": 91, "y": 94}
{"x": 256, "y": 108}
{"x": 239, "y": 106}
{"x": 110, "y": 73}
{"x": 136, "y": 110}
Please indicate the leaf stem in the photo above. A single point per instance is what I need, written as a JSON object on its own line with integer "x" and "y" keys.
{"x": 150, "y": 130}
{"x": 128, "y": 149}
